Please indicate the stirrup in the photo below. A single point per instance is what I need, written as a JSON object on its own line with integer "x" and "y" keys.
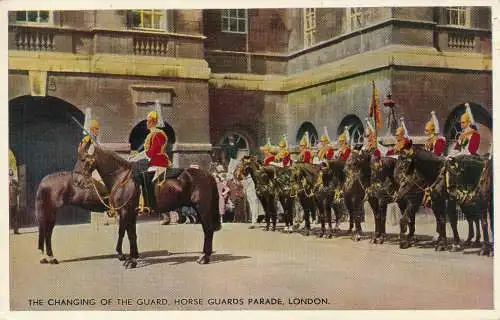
{"x": 143, "y": 210}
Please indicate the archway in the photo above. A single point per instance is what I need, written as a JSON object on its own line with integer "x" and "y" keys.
{"x": 484, "y": 123}
{"x": 307, "y": 127}
{"x": 140, "y": 132}
{"x": 44, "y": 139}
{"x": 356, "y": 129}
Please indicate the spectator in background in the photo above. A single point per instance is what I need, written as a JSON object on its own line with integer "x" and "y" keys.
{"x": 230, "y": 150}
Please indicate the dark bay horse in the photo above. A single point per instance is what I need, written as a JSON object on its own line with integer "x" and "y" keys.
{"x": 485, "y": 192}
{"x": 357, "y": 170}
{"x": 304, "y": 182}
{"x": 263, "y": 177}
{"x": 192, "y": 187}
{"x": 468, "y": 183}
{"x": 332, "y": 178}
{"x": 59, "y": 189}
{"x": 425, "y": 177}
{"x": 379, "y": 193}
{"x": 283, "y": 187}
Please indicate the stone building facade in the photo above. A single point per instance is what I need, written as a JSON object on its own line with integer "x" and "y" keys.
{"x": 256, "y": 73}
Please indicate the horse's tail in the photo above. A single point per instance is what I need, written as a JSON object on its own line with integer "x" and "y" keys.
{"x": 42, "y": 203}
{"x": 215, "y": 206}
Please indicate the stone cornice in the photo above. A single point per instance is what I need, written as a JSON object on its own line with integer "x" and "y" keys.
{"x": 110, "y": 64}
{"x": 389, "y": 56}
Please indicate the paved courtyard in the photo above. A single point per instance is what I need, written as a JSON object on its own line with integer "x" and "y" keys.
{"x": 251, "y": 269}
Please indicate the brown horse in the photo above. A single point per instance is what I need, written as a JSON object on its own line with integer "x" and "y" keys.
{"x": 357, "y": 169}
{"x": 60, "y": 189}
{"x": 192, "y": 187}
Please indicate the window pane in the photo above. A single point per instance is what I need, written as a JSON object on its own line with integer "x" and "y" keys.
{"x": 146, "y": 22}
{"x": 225, "y": 24}
{"x": 21, "y": 15}
{"x": 156, "y": 22}
{"x": 44, "y": 16}
{"x": 32, "y": 16}
{"x": 233, "y": 13}
{"x": 241, "y": 25}
{"x": 233, "y": 25}
{"x": 241, "y": 13}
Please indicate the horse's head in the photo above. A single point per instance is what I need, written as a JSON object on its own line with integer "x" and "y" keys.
{"x": 246, "y": 166}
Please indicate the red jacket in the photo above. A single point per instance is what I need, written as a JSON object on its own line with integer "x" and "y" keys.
{"x": 305, "y": 156}
{"x": 437, "y": 146}
{"x": 344, "y": 154}
{"x": 286, "y": 160}
{"x": 268, "y": 159}
{"x": 326, "y": 153}
{"x": 470, "y": 143}
{"x": 393, "y": 150}
{"x": 155, "y": 145}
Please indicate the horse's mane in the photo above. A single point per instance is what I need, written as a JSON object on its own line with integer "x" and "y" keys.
{"x": 121, "y": 161}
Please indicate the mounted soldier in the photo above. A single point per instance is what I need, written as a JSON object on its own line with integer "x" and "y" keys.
{"x": 283, "y": 155}
{"x": 325, "y": 151}
{"x": 91, "y": 132}
{"x": 435, "y": 142}
{"x": 469, "y": 139}
{"x": 269, "y": 153}
{"x": 305, "y": 155}
{"x": 155, "y": 146}
{"x": 403, "y": 141}
{"x": 344, "y": 148}
{"x": 370, "y": 145}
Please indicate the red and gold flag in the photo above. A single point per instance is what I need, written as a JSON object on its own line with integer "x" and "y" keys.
{"x": 374, "y": 107}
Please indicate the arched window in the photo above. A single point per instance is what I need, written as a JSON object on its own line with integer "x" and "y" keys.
{"x": 483, "y": 121}
{"x": 307, "y": 127}
{"x": 356, "y": 129}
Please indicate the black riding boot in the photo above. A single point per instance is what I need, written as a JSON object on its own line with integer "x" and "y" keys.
{"x": 148, "y": 191}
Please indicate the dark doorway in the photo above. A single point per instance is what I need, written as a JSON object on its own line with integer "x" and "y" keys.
{"x": 313, "y": 134}
{"x": 44, "y": 139}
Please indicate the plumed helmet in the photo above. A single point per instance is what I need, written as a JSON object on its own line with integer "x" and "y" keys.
{"x": 304, "y": 142}
{"x": 433, "y": 124}
{"x": 345, "y": 136}
{"x": 283, "y": 143}
{"x": 467, "y": 115}
{"x": 153, "y": 115}
{"x": 325, "y": 138}
{"x": 267, "y": 147}
{"x": 94, "y": 124}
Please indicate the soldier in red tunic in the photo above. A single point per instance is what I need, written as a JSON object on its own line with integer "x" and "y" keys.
{"x": 370, "y": 144}
{"x": 269, "y": 153}
{"x": 469, "y": 139}
{"x": 435, "y": 143}
{"x": 343, "y": 142}
{"x": 402, "y": 140}
{"x": 154, "y": 147}
{"x": 305, "y": 154}
{"x": 283, "y": 155}
{"x": 325, "y": 151}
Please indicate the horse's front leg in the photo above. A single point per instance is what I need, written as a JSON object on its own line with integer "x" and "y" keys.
{"x": 119, "y": 243}
{"x": 453, "y": 216}
{"x": 129, "y": 217}
{"x": 321, "y": 208}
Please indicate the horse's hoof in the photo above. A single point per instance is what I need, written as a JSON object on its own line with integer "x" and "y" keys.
{"x": 477, "y": 244}
{"x": 203, "y": 259}
{"x": 440, "y": 247}
{"x": 357, "y": 237}
{"x": 44, "y": 261}
{"x": 122, "y": 257}
{"x": 467, "y": 243}
{"x": 273, "y": 229}
{"x": 54, "y": 261}
{"x": 455, "y": 248}
{"x": 404, "y": 245}
{"x": 381, "y": 240}
{"x": 329, "y": 236}
{"x": 491, "y": 254}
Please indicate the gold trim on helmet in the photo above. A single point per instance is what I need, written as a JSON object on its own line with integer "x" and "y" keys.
{"x": 282, "y": 143}
{"x": 153, "y": 115}
{"x": 430, "y": 127}
{"x": 465, "y": 117}
{"x": 400, "y": 131}
{"x": 303, "y": 142}
{"x": 94, "y": 124}
{"x": 324, "y": 139}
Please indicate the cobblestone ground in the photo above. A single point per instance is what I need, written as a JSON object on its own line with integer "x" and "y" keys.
{"x": 272, "y": 269}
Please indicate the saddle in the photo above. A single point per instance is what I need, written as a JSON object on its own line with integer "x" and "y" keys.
{"x": 149, "y": 186}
